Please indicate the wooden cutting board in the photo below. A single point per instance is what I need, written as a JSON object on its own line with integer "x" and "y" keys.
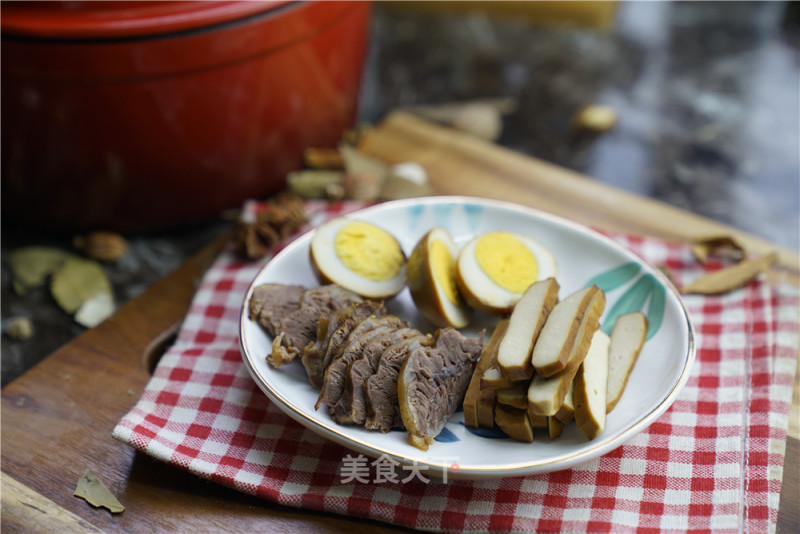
{"x": 57, "y": 418}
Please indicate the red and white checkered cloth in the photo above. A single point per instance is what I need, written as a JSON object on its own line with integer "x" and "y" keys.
{"x": 712, "y": 462}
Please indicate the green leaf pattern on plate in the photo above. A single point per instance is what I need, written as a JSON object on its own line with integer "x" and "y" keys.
{"x": 634, "y": 298}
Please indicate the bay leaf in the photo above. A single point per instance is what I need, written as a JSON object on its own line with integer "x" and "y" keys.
{"x": 724, "y": 245}
{"x": 30, "y": 266}
{"x": 77, "y": 281}
{"x": 731, "y": 278}
{"x": 94, "y": 492}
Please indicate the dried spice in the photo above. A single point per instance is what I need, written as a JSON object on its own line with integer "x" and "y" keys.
{"x": 282, "y": 215}
{"x": 363, "y": 185}
{"x": 18, "y": 328}
{"x": 323, "y": 158}
{"x": 724, "y": 246}
{"x": 406, "y": 180}
{"x": 77, "y": 281}
{"x": 313, "y": 183}
{"x": 595, "y": 118}
{"x": 364, "y": 175}
{"x": 102, "y": 246}
{"x": 731, "y": 278}
{"x": 94, "y": 492}
{"x": 30, "y": 266}
{"x": 480, "y": 118}
{"x": 95, "y": 310}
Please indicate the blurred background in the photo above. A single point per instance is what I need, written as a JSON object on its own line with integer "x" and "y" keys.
{"x": 697, "y": 104}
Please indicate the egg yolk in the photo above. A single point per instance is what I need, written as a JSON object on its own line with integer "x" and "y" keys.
{"x": 368, "y": 251}
{"x": 507, "y": 261}
{"x": 444, "y": 270}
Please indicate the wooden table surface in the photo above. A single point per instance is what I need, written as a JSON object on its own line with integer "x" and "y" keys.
{"x": 58, "y": 417}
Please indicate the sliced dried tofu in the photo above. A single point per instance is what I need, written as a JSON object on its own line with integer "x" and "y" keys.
{"x": 554, "y": 427}
{"x": 493, "y": 379}
{"x": 477, "y": 400}
{"x": 526, "y": 322}
{"x": 516, "y": 396}
{"x": 538, "y": 421}
{"x": 486, "y": 402}
{"x": 546, "y": 394}
{"x": 627, "y": 340}
{"x": 565, "y": 413}
{"x": 589, "y": 394}
{"x": 514, "y": 422}
{"x": 560, "y": 332}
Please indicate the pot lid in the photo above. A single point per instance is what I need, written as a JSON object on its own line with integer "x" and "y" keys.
{"x": 87, "y": 19}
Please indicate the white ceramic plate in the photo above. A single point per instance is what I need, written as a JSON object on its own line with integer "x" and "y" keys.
{"x": 583, "y": 257}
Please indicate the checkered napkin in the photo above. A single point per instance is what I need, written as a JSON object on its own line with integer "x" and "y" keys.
{"x": 712, "y": 462}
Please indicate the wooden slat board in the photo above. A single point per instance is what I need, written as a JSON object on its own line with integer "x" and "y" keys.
{"x": 57, "y": 418}
{"x": 458, "y": 164}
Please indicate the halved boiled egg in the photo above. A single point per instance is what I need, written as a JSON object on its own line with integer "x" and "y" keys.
{"x": 431, "y": 278}
{"x": 358, "y": 256}
{"x": 494, "y": 270}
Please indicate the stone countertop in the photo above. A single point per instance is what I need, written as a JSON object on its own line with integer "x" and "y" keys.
{"x": 708, "y": 120}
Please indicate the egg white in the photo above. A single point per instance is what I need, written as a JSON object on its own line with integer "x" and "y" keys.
{"x": 332, "y": 270}
{"x": 487, "y": 290}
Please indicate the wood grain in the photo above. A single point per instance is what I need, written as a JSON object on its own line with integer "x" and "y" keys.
{"x": 458, "y": 164}
{"x": 26, "y": 511}
{"x": 58, "y": 418}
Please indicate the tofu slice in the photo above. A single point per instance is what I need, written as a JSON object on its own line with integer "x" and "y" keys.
{"x": 526, "y": 322}
{"x": 486, "y": 403}
{"x": 554, "y": 427}
{"x": 589, "y": 394}
{"x": 492, "y": 378}
{"x": 565, "y": 413}
{"x": 546, "y": 394}
{"x": 560, "y": 332}
{"x": 514, "y": 422}
{"x": 479, "y": 402}
{"x": 538, "y": 421}
{"x": 627, "y": 340}
{"x": 515, "y": 396}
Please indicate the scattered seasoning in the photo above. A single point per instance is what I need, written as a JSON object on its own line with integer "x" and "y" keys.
{"x": 723, "y": 245}
{"x": 313, "y": 183}
{"x": 93, "y": 491}
{"x": 102, "y": 246}
{"x": 595, "y": 118}
{"x": 406, "y": 180}
{"x": 362, "y": 185}
{"x": 481, "y": 118}
{"x": 323, "y": 158}
{"x": 30, "y": 266}
{"x": 731, "y": 278}
{"x": 282, "y": 215}
{"x": 364, "y": 175}
{"x": 18, "y": 328}
{"x": 95, "y": 310}
{"x": 77, "y": 281}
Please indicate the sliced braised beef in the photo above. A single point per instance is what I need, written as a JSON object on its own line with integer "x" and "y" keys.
{"x": 300, "y": 327}
{"x": 272, "y": 302}
{"x": 380, "y": 389}
{"x": 339, "y": 326}
{"x": 367, "y": 330}
{"x": 371, "y": 367}
{"x": 351, "y": 408}
{"x": 432, "y": 384}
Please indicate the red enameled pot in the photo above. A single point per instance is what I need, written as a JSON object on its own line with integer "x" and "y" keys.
{"x": 136, "y": 115}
